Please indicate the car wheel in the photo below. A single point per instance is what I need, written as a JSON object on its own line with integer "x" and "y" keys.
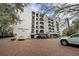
{"x": 64, "y": 42}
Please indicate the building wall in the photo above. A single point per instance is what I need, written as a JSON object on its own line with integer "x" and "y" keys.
{"x": 46, "y": 24}
{"x": 25, "y": 28}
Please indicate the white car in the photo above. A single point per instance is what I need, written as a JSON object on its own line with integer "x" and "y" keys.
{"x": 73, "y": 39}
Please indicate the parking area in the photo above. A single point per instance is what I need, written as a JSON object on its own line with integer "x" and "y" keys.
{"x": 36, "y": 47}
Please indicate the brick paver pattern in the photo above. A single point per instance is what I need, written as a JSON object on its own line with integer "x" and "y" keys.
{"x": 36, "y": 47}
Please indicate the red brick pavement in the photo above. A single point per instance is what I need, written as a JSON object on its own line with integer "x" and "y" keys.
{"x": 34, "y": 47}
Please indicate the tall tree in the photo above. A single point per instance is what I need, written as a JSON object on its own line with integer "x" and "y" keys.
{"x": 61, "y": 10}
{"x": 8, "y": 15}
{"x": 8, "y": 12}
{"x": 76, "y": 24}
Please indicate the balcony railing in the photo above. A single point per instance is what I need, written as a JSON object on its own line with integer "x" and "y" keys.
{"x": 41, "y": 31}
{"x": 41, "y": 19}
{"x": 41, "y": 27}
{"x": 42, "y": 23}
{"x": 49, "y": 25}
{"x": 32, "y": 31}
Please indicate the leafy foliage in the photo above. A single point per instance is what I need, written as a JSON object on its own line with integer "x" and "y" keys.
{"x": 61, "y": 11}
{"x": 74, "y": 28}
{"x": 69, "y": 31}
{"x": 76, "y": 24}
{"x": 8, "y": 12}
{"x": 8, "y": 15}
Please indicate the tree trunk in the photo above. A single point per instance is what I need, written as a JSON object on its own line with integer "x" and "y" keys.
{"x": 68, "y": 24}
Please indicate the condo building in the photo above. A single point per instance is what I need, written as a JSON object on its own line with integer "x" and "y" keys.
{"x": 33, "y": 23}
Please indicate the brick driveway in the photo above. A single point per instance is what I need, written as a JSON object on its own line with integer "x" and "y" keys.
{"x": 34, "y": 47}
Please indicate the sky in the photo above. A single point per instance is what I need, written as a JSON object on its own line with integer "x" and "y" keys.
{"x": 34, "y": 6}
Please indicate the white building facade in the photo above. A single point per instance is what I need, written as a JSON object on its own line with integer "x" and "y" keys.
{"x": 32, "y": 23}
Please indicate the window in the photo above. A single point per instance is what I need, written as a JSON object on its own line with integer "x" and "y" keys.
{"x": 49, "y": 22}
{"x": 75, "y": 35}
{"x": 41, "y": 19}
{"x": 37, "y": 15}
{"x": 37, "y": 27}
{"x": 57, "y": 25}
{"x": 48, "y": 18}
{"x": 32, "y": 30}
{"x": 49, "y": 31}
{"x": 49, "y": 25}
{"x": 36, "y": 31}
{"x": 32, "y": 26}
{"x": 52, "y": 28}
{"x": 52, "y": 25}
{"x": 33, "y": 22}
{"x": 49, "y": 28}
{"x": 33, "y": 13}
{"x": 42, "y": 23}
{"x": 36, "y": 23}
{"x": 42, "y": 27}
{"x": 41, "y": 15}
{"x": 52, "y": 22}
{"x": 36, "y": 18}
{"x": 41, "y": 31}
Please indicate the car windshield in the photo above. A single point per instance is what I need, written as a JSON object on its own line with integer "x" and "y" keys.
{"x": 75, "y": 35}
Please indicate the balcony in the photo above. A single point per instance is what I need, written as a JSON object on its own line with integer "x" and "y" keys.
{"x": 49, "y": 21}
{"x": 33, "y": 13}
{"x": 36, "y": 31}
{"x": 52, "y": 25}
{"x": 33, "y": 21}
{"x": 36, "y": 14}
{"x": 36, "y": 23}
{"x": 37, "y": 19}
{"x": 41, "y": 31}
{"x": 41, "y": 19}
{"x": 49, "y": 28}
{"x": 33, "y": 26}
{"x": 33, "y": 17}
{"x": 42, "y": 23}
{"x": 41, "y": 15}
{"x": 36, "y": 27}
{"x": 52, "y": 28}
{"x": 41, "y": 27}
{"x": 49, "y": 25}
{"x": 52, "y": 22}
{"x": 32, "y": 31}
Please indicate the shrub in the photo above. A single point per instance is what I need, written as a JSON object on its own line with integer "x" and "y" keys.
{"x": 69, "y": 31}
{"x": 21, "y": 39}
{"x": 13, "y": 39}
{"x": 56, "y": 35}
